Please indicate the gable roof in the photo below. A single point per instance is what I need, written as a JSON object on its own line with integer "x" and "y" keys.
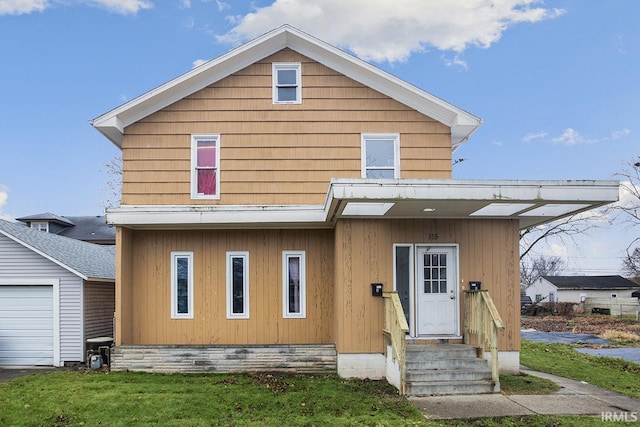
{"x": 591, "y": 282}
{"x": 92, "y": 229}
{"x": 113, "y": 123}
{"x": 85, "y": 260}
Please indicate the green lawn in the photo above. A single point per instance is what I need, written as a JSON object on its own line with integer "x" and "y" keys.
{"x": 130, "y": 399}
{"x": 74, "y": 398}
{"x": 561, "y": 359}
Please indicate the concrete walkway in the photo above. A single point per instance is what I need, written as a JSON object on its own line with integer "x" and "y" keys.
{"x": 573, "y": 398}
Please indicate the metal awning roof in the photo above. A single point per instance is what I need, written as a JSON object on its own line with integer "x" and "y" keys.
{"x": 530, "y": 202}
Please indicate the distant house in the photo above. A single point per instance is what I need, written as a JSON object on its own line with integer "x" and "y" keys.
{"x": 55, "y": 293}
{"x": 577, "y": 288}
{"x": 92, "y": 229}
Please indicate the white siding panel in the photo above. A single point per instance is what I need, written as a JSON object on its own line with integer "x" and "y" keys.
{"x": 16, "y": 261}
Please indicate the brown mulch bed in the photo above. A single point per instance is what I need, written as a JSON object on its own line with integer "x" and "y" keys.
{"x": 595, "y": 325}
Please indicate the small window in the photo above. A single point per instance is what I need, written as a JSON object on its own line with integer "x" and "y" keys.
{"x": 381, "y": 156}
{"x": 287, "y": 83}
{"x": 42, "y": 226}
{"x": 294, "y": 284}
{"x": 205, "y": 173}
{"x": 237, "y": 285}
{"x": 182, "y": 285}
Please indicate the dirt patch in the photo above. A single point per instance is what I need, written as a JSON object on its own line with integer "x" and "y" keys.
{"x": 601, "y": 326}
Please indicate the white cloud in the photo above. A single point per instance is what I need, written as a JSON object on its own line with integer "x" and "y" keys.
{"x": 569, "y": 137}
{"x": 382, "y": 30}
{"x": 456, "y": 62}
{"x": 185, "y": 4}
{"x": 556, "y": 249}
{"x": 4, "y": 195}
{"x": 617, "y": 134}
{"x": 123, "y": 7}
{"x": 572, "y": 137}
{"x": 535, "y": 135}
{"x": 19, "y": 7}
{"x": 199, "y": 62}
{"x": 222, "y": 5}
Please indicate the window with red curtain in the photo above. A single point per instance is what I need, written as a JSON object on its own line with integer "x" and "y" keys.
{"x": 206, "y": 166}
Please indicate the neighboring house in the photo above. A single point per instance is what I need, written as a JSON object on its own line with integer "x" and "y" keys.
{"x": 576, "y": 289}
{"x": 55, "y": 293}
{"x": 268, "y": 192}
{"x": 92, "y": 229}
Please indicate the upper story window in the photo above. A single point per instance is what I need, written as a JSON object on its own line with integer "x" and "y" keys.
{"x": 205, "y": 166}
{"x": 42, "y": 226}
{"x": 287, "y": 83}
{"x": 182, "y": 285}
{"x": 381, "y": 155}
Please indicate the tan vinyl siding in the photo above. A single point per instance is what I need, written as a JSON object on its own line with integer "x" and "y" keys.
{"x": 99, "y": 308}
{"x": 124, "y": 286}
{"x": 488, "y": 252}
{"x": 149, "y": 298}
{"x": 267, "y": 150}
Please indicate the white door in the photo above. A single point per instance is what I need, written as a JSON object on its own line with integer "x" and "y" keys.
{"x": 437, "y": 291}
{"x": 26, "y": 325}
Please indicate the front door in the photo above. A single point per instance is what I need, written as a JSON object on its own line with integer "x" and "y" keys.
{"x": 437, "y": 291}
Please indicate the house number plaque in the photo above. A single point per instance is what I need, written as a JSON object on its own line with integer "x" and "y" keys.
{"x": 433, "y": 236}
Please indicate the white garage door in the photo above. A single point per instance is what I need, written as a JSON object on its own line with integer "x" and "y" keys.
{"x": 26, "y": 325}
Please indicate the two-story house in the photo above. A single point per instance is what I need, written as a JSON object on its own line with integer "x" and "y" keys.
{"x": 271, "y": 195}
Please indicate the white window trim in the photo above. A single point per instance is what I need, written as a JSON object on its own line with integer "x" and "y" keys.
{"x": 194, "y": 163}
{"x": 174, "y": 286}
{"x": 285, "y": 285}
{"x": 412, "y": 282}
{"x": 274, "y": 81}
{"x": 38, "y": 225}
{"x": 245, "y": 285}
{"x": 396, "y": 151}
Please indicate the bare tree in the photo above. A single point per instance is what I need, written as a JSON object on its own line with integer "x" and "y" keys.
{"x": 631, "y": 265}
{"x": 534, "y": 268}
{"x": 565, "y": 229}
{"x": 113, "y": 190}
{"x": 629, "y": 213}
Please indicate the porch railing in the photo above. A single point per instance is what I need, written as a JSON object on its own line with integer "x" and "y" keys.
{"x": 395, "y": 328}
{"x": 482, "y": 322}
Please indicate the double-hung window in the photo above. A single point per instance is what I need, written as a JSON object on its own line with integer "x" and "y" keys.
{"x": 205, "y": 167}
{"x": 287, "y": 83}
{"x": 182, "y": 285}
{"x": 294, "y": 284}
{"x": 237, "y": 285}
{"x": 380, "y": 155}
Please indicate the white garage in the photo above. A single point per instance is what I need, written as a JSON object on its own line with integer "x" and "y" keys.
{"x": 27, "y": 319}
{"x": 55, "y": 293}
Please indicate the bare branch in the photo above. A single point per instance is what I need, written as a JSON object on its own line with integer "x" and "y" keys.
{"x": 113, "y": 190}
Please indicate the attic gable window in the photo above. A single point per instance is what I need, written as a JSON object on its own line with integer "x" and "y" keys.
{"x": 287, "y": 83}
{"x": 205, "y": 169}
{"x": 381, "y": 156}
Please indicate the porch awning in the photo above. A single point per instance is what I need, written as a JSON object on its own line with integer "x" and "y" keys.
{"x": 530, "y": 202}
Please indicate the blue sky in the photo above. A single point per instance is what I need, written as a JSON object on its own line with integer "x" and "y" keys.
{"x": 556, "y": 83}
